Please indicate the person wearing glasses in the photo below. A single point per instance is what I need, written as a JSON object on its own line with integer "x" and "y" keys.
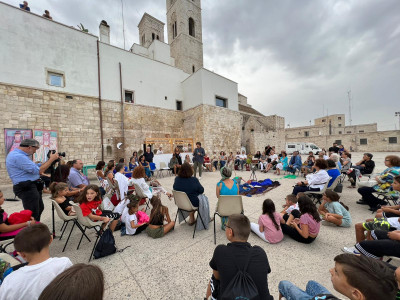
{"x": 25, "y": 175}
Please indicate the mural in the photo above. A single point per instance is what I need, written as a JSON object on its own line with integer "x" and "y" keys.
{"x": 47, "y": 140}
{"x": 14, "y": 137}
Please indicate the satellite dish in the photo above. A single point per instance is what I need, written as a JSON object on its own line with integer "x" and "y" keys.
{"x": 119, "y": 145}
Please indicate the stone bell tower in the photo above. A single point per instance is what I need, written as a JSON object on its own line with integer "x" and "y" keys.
{"x": 185, "y": 34}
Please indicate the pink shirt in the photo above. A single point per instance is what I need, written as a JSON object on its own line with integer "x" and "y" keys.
{"x": 271, "y": 234}
{"x": 313, "y": 226}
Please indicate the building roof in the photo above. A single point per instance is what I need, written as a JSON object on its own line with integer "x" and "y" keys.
{"x": 249, "y": 110}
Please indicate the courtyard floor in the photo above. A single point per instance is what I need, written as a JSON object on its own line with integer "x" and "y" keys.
{"x": 177, "y": 266}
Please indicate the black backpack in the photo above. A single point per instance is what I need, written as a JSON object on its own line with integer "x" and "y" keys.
{"x": 242, "y": 285}
{"x": 106, "y": 245}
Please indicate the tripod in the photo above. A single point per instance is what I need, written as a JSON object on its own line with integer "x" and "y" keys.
{"x": 52, "y": 171}
{"x": 253, "y": 176}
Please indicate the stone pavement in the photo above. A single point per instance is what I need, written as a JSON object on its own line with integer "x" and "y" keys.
{"x": 176, "y": 266}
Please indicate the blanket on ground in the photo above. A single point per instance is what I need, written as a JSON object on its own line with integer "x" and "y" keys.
{"x": 257, "y": 187}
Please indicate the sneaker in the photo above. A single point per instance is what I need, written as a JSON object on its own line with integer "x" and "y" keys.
{"x": 351, "y": 250}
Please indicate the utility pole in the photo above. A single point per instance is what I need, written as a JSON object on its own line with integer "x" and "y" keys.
{"x": 349, "y": 96}
{"x": 397, "y": 114}
{"x": 123, "y": 22}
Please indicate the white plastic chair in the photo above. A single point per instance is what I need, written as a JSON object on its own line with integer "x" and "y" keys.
{"x": 226, "y": 206}
{"x": 86, "y": 223}
{"x": 5, "y": 243}
{"x": 183, "y": 203}
{"x": 139, "y": 192}
{"x": 163, "y": 167}
{"x": 334, "y": 184}
{"x": 317, "y": 195}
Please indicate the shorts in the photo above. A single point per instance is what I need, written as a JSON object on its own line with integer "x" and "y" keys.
{"x": 377, "y": 224}
{"x": 345, "y": 223}
{"x": 155, "y": 233}
{"x": 214, "y": 284}
{"x": 389, "y": 215}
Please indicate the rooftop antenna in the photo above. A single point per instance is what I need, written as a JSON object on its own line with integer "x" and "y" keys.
{"x": 349, "y": 96}
{"x": 123, "y": 22}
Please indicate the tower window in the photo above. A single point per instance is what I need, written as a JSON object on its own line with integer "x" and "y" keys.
{"x": 178, "y": 105}
{"x": 143, "y": 39}
{"x": 363, "y": 141}
{"x": 153, "y": 36}
{"x": 174, "y": 30}
{"x": 129, "y": 96}
{"x": 191, "y": 27}
{"x": 221, "y": 102}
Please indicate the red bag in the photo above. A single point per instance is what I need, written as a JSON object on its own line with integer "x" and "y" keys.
{"x": 114, "y": 199}
{"x": 20, "y": 217}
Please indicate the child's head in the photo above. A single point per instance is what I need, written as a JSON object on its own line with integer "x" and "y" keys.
{"x": 1, "y": 198}
{"x": 133, "y": 205}
{"x": 331, "y": 164}
{"x": 291, "y": 199}
{"x": 307, "y": 206}
{"x": 90, "y": 193}
{"x": 58, "y": 189}
{"x": 238, "y": 228}
{"x": 268, "y": 206}
{"x": 331, "y": 196}
{"x": 33, "y": 240}
{"x": 395, "y": 184}
{"x": 352, "y": 277}
{"x": 81, "y": 281}
{"x": 299, "y": 195}
{"x": 155, "y": 201}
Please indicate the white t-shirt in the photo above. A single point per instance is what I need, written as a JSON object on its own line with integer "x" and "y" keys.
{"x": 27, "y": 283}
{"x": 127, "y": 218}
{"x": 273, "y": 157}
{"x": 243, "y": 156}
{"x": 394, "y": 222}
{"x": 292, "y": 207}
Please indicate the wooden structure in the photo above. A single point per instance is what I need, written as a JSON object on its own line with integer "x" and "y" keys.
{"x": 169, "y": 144}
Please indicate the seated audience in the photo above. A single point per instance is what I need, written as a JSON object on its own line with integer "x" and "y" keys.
{"x": 61, "y": 175}
{"x": 333, "y": 211}
{"x": 133, "y": 162}
{"x": 346, "y": 161}
{"x": 226, "y": 186}
{"x": 76, "y": 178}
{"x": 146, "y": 165}
{"x": 9, "y": 231}
{"x": 336, "y": 158}
{"x": 222, "y": 159}
{"x": 122, "y": 180}
{"x": 207, "y": 163}
{"x": 160, "y": 150}
{"x": 241, "y": 159}
{"x": 138, "y": 178}
{"x": 294, "y": 163}
{"x": 159, "y": 214}
{"x": 268, "y": 227}
{"x": 28, "y": 282}
{"x": 130, "y": 219}
{"x": 384, "y": 181}
{"x": 189, "y": 185}
{"x": 79, "y": 282}
{"x": 282, "y": 164}
{"x": 391, "y": 211}
{"x": 290, "y": 205}
{"x": 262, "y": 161}
{"x": 231, "y": 161}
{"x": 308, "y": 164}
{"x": 332, "y": 171}
{"x": 315, "y": 181}
{"x": 100, "y": 176}
{"x": 177, "y": 160}
{"x": 303, "y": 226}
{"x": 187, "y": 159}
{"x": 59, "y": 190}
{"x": 90, "y": 202}
{"x": 356, "y": 277}
{"x": 273, "y": 161}
{"x": 228, "y": 259}
{"x": 363, "y": 167}
{"x": 214, "y": 160}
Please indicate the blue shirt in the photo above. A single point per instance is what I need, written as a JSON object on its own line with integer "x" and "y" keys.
{"x": 21, "y": 168}
{"x": 76, "y": 178}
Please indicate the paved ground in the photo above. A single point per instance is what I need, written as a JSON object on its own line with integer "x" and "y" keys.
{"x": 176, "y": 266}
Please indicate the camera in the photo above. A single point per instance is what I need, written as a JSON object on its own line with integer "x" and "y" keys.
{"x": 54, "y": 151}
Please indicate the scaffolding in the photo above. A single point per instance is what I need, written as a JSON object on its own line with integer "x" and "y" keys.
{"x": 169, "y": 144}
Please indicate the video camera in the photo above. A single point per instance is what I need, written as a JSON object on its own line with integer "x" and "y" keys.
{"x": 54, "y": 151}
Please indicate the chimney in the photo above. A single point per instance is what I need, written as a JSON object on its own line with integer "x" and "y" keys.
{"x": 104, "y": 32}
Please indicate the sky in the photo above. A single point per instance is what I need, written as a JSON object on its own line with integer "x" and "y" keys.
{"x": 296, "y": 59}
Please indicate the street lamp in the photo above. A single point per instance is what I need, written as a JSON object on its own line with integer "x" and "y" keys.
{"x": 397, "y": 114}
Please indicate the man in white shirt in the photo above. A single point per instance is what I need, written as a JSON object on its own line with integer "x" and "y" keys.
{"x": 27, "y": 283}
{"x": 243, "y": 159}
{"x": 122, "y": 181}
{"x": 160, "y": 151}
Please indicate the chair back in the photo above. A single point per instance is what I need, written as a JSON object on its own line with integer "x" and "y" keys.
{"x": 61, "y": 213}
{"x": 139, "y": 191}
{"x": 334, "y": 183}
{"x": 229, "y": 205}
{"x": 153, "y": 166}
{"x": 325, "y": 186}
{"x": 163, "y": 165}
{"x": 85, "y": 221}
{"x": 182, "y": 201}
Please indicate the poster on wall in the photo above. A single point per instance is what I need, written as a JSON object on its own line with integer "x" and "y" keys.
{"x": 13, "y": 137}
{"x": 47, "y": 140}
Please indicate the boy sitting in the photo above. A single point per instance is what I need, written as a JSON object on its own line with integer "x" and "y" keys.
{"x": 356, "y": 277}
{"x": 28, "y": 282}
{"x": 291, "y": 204}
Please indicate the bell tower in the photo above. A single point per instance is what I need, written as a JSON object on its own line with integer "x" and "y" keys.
{"x": 185, "y": 34}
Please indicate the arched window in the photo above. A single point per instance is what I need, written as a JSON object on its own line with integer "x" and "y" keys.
{"x": 191, "y": 27}
{"x": 153, "y": 36}
{"x": 193, "y": 69}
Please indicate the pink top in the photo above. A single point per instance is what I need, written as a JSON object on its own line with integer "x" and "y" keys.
{"x": 313, "y": 226}
{"x": 271, "y": 234}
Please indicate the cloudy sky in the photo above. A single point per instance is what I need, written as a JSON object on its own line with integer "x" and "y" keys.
{"x": 296, "y": 59}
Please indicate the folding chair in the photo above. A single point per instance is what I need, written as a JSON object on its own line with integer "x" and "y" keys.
{"x": 334, "y": 184}
{"x": 393, "y": 260}
{"x": 183, "y": 203}
{"x": 317, "y": 195}
{"x": 5, "y": 243}
{"x": 163, "y": 167}
{"x": 86, "y": 223}
{"x": 66, "y": 220}
{"x": 11, "y": 260}
{"x": 387, "y": 197}
{"x": 369, "y": 176}
{"x": 139, "y": 192}
{"x": 226, "y": 206}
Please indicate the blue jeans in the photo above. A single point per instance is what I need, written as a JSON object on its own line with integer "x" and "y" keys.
{"x": 292, "y": 292}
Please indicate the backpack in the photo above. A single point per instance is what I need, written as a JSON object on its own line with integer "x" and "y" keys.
{"x": 106, "y": 245}
{"x": 241, "y": 286}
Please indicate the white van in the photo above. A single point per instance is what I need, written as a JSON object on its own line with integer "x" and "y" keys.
{"x": 303, "y": 148}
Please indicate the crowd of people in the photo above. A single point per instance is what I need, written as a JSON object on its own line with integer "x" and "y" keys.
{"x": 112, "y": 202}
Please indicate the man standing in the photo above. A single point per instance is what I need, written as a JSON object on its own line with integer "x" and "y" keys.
{"x": 229, "y": 259}
{"x": 148, "y": 155}
{"x": 198, "y": 159}
{"x": 76, "y": 178}
{"x": 25, "y": 174}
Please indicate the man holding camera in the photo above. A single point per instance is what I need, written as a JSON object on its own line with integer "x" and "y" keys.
{"x": 25, "y": 175}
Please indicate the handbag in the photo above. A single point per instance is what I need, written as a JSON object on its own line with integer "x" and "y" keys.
{"x": 338, "y": 188}
{"x": 107, "y": 204}
{"x": 20, "y": 217}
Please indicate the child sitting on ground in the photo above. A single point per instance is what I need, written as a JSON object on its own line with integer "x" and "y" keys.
{"x": 8, "y": 231}
{"x": 333, "y": 211}
{"x": 130, "y": 218}
{"x": 159, "y": 213}
{"x": 58, "y": 192}
{"x": 268, "y": 227}
{"x": 28, "y": 282}
{"x": 291, "y": 203}
{"x": 90, "y": 202}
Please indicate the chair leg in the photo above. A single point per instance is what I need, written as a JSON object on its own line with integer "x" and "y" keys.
{"x": 62, "y": 226}
{"x": 94, "y": 246}
{"x": 215, "y": 235}
{"x": 65, "y": 227}
{"x": 73, "y": 225}
{"x": 195, "y": 225}
{"x": 182, "y": 215}
{"x": 201, "y": 219}
{"x": 81, "y": 229}
{"x": 83, "y": 232}
{"x": 176, "y": 217}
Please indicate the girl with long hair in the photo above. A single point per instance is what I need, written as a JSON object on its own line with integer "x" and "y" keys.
{"x": 268, "y": 227}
